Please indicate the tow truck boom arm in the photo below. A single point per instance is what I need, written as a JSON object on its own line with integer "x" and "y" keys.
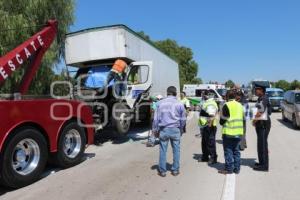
{"x": 34, "y": 48}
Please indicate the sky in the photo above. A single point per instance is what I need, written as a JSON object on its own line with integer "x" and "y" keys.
{"x": 240, "y": 40}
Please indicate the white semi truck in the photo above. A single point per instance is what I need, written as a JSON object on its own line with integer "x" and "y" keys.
{"x": 251, "y": 89}
{"x": 93, "y": 51}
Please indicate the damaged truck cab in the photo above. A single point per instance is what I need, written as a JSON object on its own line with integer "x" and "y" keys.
{"x": 149, "y": 73}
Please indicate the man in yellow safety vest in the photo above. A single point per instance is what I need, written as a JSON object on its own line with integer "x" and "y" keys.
{"x": 232, "y": 120}
{"x": 186, "y": 104}
{"x": 208, "y": 128}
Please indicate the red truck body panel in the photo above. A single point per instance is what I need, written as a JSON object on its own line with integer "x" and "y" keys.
{"x": 50, "y": 115}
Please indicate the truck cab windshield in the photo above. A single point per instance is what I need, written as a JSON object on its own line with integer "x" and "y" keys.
{"x": 275, "y": 93}
{"x": 94, "y": 77}
{"x": 297, "y": 98}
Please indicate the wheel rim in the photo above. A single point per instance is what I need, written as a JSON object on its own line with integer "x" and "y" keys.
{"x": 26, "y": 156}
{"x": 124, "y": 121}
{"x": 72, "y": 143}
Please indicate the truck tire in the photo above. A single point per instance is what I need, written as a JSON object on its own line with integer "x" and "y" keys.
{"x": 121, "y": 119}
{"x": 283, "y": 116}
{"x": 71, "y": 146}
{"x": 294, "y": 121}
{"x": 24, "y": 158}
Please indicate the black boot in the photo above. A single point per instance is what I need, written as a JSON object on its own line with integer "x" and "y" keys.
{"x": 261, "y": 168}
{"x": 212, "y": 161}
{"x": 203, "y": 159}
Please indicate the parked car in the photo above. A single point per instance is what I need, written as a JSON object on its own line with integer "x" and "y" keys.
{"x": 275, "y": 97}
{"x": 291, "y": 108}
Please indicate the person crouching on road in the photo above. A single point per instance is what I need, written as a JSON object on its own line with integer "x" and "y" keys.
{"x": 186, "y": 104}
{"x": 153, "y": 138}
{"x": 208, "y": 124}
{"x": 169, "y": 120}
{"x": 232, "y": 120}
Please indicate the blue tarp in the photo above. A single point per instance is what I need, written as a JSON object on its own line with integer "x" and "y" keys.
{"x": 97, "y": 76}
{"x": 136, "y": 93}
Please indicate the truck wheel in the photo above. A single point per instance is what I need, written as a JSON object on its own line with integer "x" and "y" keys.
{"x": 71, "y": 146}
{"x": 283, "y": 116}
{"x": 121, "y": 119}
{"x": 295, "y": 125}
{"x": 24, "y": 158}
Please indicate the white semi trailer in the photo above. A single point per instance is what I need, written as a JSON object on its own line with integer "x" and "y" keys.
{"x": 251, "y": 89}
{"x": 150, "y": 70}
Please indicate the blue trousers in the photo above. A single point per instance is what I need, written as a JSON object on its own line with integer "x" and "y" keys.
{"x": 232, "y": 154}
{"x": 173, "y": 135}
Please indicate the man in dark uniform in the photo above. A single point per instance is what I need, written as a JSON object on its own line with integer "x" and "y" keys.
{"x": 262, "y": 123}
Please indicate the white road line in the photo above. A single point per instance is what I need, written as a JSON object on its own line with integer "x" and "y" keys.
{"x": 229, "y": 187}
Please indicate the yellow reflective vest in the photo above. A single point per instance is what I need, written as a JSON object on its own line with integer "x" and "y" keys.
{"x": 203, "y": 121}
{"x": 185, "y": 102}
{"x": 234, "y": 126}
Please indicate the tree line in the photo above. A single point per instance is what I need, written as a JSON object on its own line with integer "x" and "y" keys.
{"x": 286, "y": 85}
{"x": 19, "y": 21}
{"x": 282, "y": 84}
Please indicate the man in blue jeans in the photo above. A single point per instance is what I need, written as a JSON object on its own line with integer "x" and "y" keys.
{"x": 169, "y": 120}
{"x": 232, "y": 120}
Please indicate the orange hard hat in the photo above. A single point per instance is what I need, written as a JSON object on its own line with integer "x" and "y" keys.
{"x": 119, "y": 65}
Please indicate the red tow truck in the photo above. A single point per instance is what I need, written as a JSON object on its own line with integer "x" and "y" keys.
{"x": 35, "y": 131}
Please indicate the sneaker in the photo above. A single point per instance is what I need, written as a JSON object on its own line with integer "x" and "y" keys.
{"x": 162, "y": 174}
{"x": 175, "y": 173}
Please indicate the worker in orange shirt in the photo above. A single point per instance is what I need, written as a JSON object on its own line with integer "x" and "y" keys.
{"x": 117, "y": 73}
